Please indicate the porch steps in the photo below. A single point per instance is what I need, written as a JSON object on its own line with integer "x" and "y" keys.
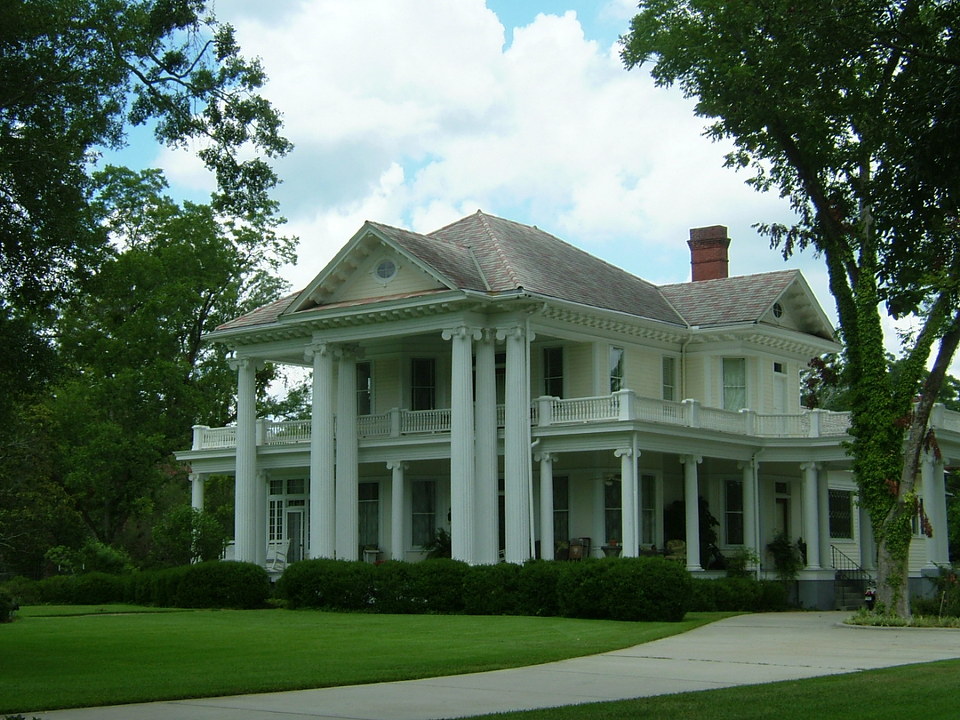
{"x": 850, "y": 581}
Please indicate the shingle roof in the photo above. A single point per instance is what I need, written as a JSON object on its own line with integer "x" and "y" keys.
{"x": 485, "y": 253}
{"x": 727, "y": 301}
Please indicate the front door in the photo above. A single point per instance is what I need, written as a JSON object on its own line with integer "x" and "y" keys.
{"x": 295, "y": 534}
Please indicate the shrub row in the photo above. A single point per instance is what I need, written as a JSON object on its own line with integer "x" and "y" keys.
{"x": 614, "y": 588}
{"x": 204, "y": 585}
{"x": 738, "y": 594}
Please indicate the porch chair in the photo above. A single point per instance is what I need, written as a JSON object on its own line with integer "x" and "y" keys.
{"x": 277, "y": 555}
{"x": 676, "y": 550}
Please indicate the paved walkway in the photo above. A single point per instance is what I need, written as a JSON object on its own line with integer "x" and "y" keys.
{"x": 742, "y": 650}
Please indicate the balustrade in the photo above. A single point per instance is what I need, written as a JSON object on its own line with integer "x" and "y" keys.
{"x": 557, "y": 411}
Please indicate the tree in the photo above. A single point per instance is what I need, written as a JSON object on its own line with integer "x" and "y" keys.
{"x": 850, "y": 109}
{"x": 74, "y": 75}
{"x": 135, "y": 372}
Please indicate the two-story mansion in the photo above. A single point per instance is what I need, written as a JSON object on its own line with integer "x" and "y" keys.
{"x": 494, "y": 381}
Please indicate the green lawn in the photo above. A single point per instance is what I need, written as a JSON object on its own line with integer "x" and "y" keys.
{"x": 51, "y": 659}
{"x": 902, "y": 693}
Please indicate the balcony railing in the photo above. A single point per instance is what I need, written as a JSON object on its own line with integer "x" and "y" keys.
{"x": 623, "y": 406}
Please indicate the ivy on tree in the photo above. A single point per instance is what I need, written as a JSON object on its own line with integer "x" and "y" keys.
{"x": 851, "y": 110}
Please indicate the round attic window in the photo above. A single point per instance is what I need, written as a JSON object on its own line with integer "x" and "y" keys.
{"x": 386, "y": 270}
{"x": 777, "y": 310}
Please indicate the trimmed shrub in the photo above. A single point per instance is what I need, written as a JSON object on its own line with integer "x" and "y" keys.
{"x": 330, "y": 584}
{"x": 229, "y": 584}
{"x": 8, "y": 605}
{"x": 644, "y": 589}
{"x": 538, "y": 588}
{"x": 492, "y": 590}
{"x": 434, "y": 586}
{"x": 57, "y": 590}
{"x": 580, "y": 589}
{"x": 96, "y": 588}
{"x": 738, "y": 594}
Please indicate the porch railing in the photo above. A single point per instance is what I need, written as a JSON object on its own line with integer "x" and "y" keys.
{"x": 551, "y": 411}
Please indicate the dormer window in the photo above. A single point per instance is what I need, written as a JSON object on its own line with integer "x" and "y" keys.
{"x": 386, "y": 270}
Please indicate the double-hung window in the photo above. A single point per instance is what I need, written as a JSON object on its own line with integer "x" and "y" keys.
{"x": 561, "y": 508}
{"x": 424, "y": 503}
{"x": 840, "y": 511}
{"x": 668, "y": 371}
{"x": 733, "y": 512}
{"x": 364, "y": 388}
{"x": 423, "y": 384}
{"x": 553, "y": 371}
{"x": 734, "y": 383}
{"x": 368, "y": 496}
{"x": 616, "y": 369}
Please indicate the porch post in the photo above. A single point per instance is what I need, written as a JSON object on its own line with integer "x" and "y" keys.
{"x": 261, "y": 517}
{"x": 823, "y": 519}
{"x": 933, "y": 494}
{"x": 750, "y": 505}
{"x": 347, "y": 475}
{"x": 486, "y": 539}
{"x": 868, "y": 547}
{"x": 198, "y": 483}
{"x": 517, "y": 481}
{"x": 628, "y": 502}
{"x": 811, "y": 507}
{"x": 547, "y": 541}
{"x": 397, "y": 528}
{"x": 462, "y": 467}
{"x": 323, "y": 508}
{"x": 245, "y": 492}
{"x": 691, "y": 501}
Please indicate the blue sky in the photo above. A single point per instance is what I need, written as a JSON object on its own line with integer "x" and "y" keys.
{"x": 418, "y": 112}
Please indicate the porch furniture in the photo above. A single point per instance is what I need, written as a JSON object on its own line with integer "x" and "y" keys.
{"x": 277, "y": 555}
{"x": 676, "y": 550}
{"x": 579, "y": 548}
{"x": 612, "y": 550}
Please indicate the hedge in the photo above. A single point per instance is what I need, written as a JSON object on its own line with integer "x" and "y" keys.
{"x": 616, "y": 588}
{"x": 207, "y": 585}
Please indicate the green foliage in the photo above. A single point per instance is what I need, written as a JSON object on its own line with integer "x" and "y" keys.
{"x": 846, "y": 110}
{"x": 787, "y": 561}
{"x": 185, "y": 535}
{"x": 612, "y": 588}
{"x": 440, "y": 545}
{"x": 737, "y": 594}
{"x": 238, "y": 585}
{"x": 8, "y": 605}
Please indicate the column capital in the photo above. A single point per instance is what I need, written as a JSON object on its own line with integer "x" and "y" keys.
{"x": 623, "y": 452}
{"x": 317, "y": 349}
{"x": 462, "y": 331}
{"x": 807, "y": 466}
{"x": 397, "y": 465}
{"x": 246, "y": 363}
{"x": 514, "y": 332}
{"x": 348, "y": 352}
{"x": 547, "y": 457}
{"x": 696, "y": 459}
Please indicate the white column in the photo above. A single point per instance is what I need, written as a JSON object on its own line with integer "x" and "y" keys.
{"x": 462, "y": 467}
{"x": 487, "y": 537}
{"x": 751, "y": 507}
{"x": 198, "y": 483}
{"x": 868, "y": 547}
{"x": 547, "y": 540}
{"x": 628, "y": 502}
{"x": 323, "y": 509}
{"x": 517, "y": 447}
{"x": 245, "y": 492}
{"x": 691, "y": 502}
{"x": 398, "y": 535}
{"x": 933, "y": 492}
{"x": 823, "y": 520}
{"x": 260, "y": 530}
{"x": 811, "y": 507}
{"x": 347, "y": 473}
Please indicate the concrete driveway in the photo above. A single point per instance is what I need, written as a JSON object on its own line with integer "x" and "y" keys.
{"x": 742, "y": 650}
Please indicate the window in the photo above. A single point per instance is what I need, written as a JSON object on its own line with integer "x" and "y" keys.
{"x": 669, "y": 373}
{"x": 733, "y": 512}
{"x": 561, "y": 508}
{"x": 553, "y": 371}
{"x": 423, "y": 383}
{"x": 648, "y": 510}
{"x": 364, "y": 388}
{"x": 734, "y": 383}
{"x": 841, "y": 514}
{"x": 368, "y": 496}
{"x": 616, "y": 369}
{"x": 424, "y": 520}
{"x": 612, "y": 514}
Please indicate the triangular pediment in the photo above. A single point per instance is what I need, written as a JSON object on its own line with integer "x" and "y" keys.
{"x": 370, "y": 267}
{"x": 796, "y": 308}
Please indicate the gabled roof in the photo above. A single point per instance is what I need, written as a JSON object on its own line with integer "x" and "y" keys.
{"x": 490, "y": 255}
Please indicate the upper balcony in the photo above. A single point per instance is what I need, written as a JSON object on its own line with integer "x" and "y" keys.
{"x": 547, "y": 412}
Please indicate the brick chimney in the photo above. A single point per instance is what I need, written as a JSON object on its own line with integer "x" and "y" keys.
{"x": 708, "y": 253}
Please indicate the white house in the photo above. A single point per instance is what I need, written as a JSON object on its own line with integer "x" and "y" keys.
{"x": 490, "y": 379}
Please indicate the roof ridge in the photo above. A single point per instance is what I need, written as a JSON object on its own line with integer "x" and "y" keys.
{"x": 787, "y": 271}
{"x": 498, "y": 248}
